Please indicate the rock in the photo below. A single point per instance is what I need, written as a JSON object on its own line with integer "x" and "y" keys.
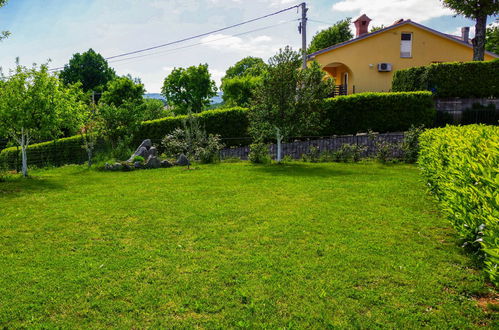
{"x": 153, "y": 162}
{"x": 137, "y": 165}
{"x": 166, "y": 164}
{"x": 183, "y": 161}
{"x": 153, "y": 152}
{"x": 117, "y": 167}
{"x": 142, "y": 150}
{"x": 127, "y": 166}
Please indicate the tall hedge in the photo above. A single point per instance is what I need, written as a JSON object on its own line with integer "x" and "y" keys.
{"x": 380, "y": 112}
{"x": 458, "y": 79}
{"x": 461, "y": 168}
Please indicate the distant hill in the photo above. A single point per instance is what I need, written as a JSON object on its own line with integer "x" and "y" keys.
{"x": 214, "y": 100}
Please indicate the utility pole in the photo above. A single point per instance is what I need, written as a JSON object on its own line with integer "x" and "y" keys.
{"x": 302, "y": 28}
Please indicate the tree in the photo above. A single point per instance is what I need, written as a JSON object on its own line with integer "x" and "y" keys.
{"x": 3, "y": 34}
{"x": 477, "y": 10}
{"x": 121, "y": 90}
{"x": 241, "y": 80}
{"x": 333, "y": 35}
{"x": 89, "y": 68}
{"x": 190, "y": 88}
{"x": 34, "y": 103}
{"x": 377, "y": 28}
{"x": 119, "y": 123}
{"x": 492, "y": 38}
{"x": 154, "y": 109}
{"x": 248, "y": 66}
{"x": 289, "y": 101}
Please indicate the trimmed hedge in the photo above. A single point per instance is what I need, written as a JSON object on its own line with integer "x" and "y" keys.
{"x": 457, "y": 79}
{"x": 380, "y": 112}
{"x": 461, "y": 167}
{"x": 228, "y": 123}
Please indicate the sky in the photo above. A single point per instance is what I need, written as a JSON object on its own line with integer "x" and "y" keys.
{"x": 53, "y": 30}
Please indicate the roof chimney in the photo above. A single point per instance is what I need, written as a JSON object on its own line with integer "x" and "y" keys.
{"x": 465, "y": 34}
{"x": 362, "y": 25}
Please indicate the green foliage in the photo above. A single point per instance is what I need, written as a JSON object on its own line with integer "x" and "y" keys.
{"x": 385, "y": 149}
{"x": 189, "y": 89}
{"x": 239, "y": 91}
{"x": 463, "y": 79}
{"x": 122, "y": 90}
{"x": 139, "y": 159}
{"x": 228, "y": 123}
{"x": 3, "y": 34}
{"x": 289, "y": 101}
{"x": 492, "y": 38}
{"x": 376, "y": 28}
{"x": 460, "y": 167}
{"x": 480, "y": 114}
{"x": 380, "y": 112}
{"x": 89, "y": 68}
{"x": 333, "y": 35}
{"x": 410, "y": 145}
{"x": 193, "y": 142}
{"x": 248, "y": 66}
{"x": 154, "y": 109}
{"x": 118, "y": 123}
{"x": 259, "y": 153}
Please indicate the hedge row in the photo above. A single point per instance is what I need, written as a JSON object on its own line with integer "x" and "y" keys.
{"x": 460, "y": 79}
{"x": 461, "y": 167}
{"x": 380, "y": 112}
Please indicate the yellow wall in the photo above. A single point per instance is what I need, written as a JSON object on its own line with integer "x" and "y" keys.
{"x": 427, "y": 47}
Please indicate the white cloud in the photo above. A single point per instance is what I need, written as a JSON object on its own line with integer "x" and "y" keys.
{"x": 256, "y": 46}
{"x": 217, "y": 75}
{"x": 388, "y": 11}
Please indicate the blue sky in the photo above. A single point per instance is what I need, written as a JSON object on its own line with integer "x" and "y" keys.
{"x": 55, "y": 29}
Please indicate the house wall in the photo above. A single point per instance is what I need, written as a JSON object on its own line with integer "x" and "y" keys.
{"x": 362, "y": 57}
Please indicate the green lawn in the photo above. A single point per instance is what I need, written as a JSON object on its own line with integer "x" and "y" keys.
{"x": 232, "y": 245}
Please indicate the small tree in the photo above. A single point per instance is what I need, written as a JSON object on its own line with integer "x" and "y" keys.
{"x": 119, "y": 123}
{"x": 333, "y": 35}
{"x": 88, "y": 130}
{"x": 122, "y": 90}
{"x": 477, "y": 10}
{"x": 33, "y": 104}
{"x": 289, "y": 101}
{"x": 239, "y": 91}
{"x": 190, "y": 88}
{"x": 492, "y": 38}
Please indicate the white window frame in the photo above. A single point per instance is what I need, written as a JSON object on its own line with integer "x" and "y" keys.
{"x": 406, "y": 45}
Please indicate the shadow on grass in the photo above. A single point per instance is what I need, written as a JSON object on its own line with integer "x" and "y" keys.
{"x": 301, "y": 170}
{"x": 15, "y": 186}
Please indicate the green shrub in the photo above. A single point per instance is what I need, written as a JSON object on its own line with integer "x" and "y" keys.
{"x": 380, "y": 112}
{"x": 139, "y": 159}
{"x": 458, "y": 79}
{"x": 460, "y": 166}
{"x": 410, "y": 145}
{"x": 259, "y": 153}
{"x": 349, "y": 153}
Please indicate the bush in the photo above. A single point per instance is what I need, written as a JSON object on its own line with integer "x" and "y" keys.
{"x": 380, "y": 112}
{"x": 459, "y": 79}
{"x": 410, "y": 145}
{"x": 460, "y": 167}
{"x": 259, "y": 153}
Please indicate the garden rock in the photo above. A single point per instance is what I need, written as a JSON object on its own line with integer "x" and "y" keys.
{"x": 166, "y": 164}
{"x": 142, "y": 150}
{"x": 153, "y": 162}
{"x": 117, "y": 167}
{"x": 137, "y": 165}
{"x": 183, "y": 161}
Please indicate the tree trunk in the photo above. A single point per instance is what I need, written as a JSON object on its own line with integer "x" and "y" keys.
{"x": 479, "y": 40}
{"x": 89, "y": 153}
{"x": 24, "y": 157}
{"x": 279, "y": 140}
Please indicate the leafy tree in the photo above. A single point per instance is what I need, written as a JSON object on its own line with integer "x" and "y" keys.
{"x": 377, "y": 28}
{"x": 3, "y": 34}
{"x": 88, "y": 131}
{"x": 333, "y": 35}
{"x": 89, "y": 68}
{"x": 189, "y": 88}
{"x": 239, "y": 91}
{"x": 121, "y": 90}
{"x": 154, "y": 109}
{"x": 492, "y": 38}
{"x": 289, "y": 101}
{"x": 35, "y": 104}
{"x": 248, "y": 66}
{"x": 477, "y": 10}
{"x": 118, "y": 124}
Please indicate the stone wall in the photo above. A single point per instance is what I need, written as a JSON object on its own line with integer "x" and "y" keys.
{"x": 456, "y": 106}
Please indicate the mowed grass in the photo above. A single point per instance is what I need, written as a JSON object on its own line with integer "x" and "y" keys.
{"x": 232, "y": 245}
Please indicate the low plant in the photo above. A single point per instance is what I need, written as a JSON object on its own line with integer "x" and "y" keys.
{"x": 410, "y": 144}
{"x": 349, "y": 153}
{"x": 385, "y": 149}
{"x": 139, "y": 159}
{"x": 313, "y": 155}
{"x": 259, "y": 153}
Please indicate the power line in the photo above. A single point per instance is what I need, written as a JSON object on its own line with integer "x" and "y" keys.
{"x": 196, "y": 36}
{"x": 203, "y": 43}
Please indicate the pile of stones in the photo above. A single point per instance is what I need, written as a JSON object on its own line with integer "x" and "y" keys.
{"x": 151, "y": 160}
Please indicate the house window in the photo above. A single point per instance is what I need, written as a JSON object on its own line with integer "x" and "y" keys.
{"x": 406, "y": 45}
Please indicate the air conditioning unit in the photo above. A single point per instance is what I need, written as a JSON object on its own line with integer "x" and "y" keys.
{"x": 384, "y": 67}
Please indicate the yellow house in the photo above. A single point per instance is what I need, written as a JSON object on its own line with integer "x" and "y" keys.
{"x": 367, "y": 62}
